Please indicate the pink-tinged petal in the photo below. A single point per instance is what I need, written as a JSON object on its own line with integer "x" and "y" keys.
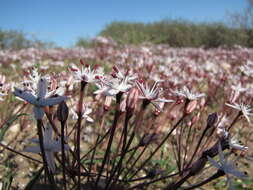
{"x": 42, "y": 88}
{"x": 50, "y": 160}
{"x": 38, "y": 112}
{"x": 89, "y": 119}
{"x": 52, "y": 101}
{"x": 25, "y": 96}
{"x": 110, "y": 92}
{"x": 33, "y": 149}
{"x": 163, "y": 100}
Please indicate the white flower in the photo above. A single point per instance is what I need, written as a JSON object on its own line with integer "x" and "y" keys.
{"x": 50, "y": 146}
{"x": 152, "y": 94}
{"x": 185, "y": 92}
{"x": 238, "y": 88}
{"x": 39, "y": 101}
{"x": 86, "y": 112}
{"x": 233, "y": 143}
{"x": 114, "y": 86}
{"x": 244, "y": 109}
{"x": 227, "y": 167}
{"x": 118, "y": 74}
{"x": 222, "y": 132}
{"x": 86, "y": 74}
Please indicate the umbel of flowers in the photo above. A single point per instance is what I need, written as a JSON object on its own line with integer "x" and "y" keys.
{"x": 130, "y": 134}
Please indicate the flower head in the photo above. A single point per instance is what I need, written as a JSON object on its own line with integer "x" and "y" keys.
{"x": 85, "y": 113}
{"x": 51, "y": 146}
{"x": 87, "y": 74}
{"x": 151, "y": 94}
{"x": 244, "y": 109}
{"x": 114, "y": 86}
{"x": 235, "y": 144}
{"x": 39, "y": 100}
{"x": 185, "y": 92}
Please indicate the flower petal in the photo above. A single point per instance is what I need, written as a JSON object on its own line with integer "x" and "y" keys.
{"x": 48, "y": 134}
{"x": 214, "y": 163}
{"x": 25, "y": 96}
{"x": 42, "y": 88}
{"x": 38, "y": 112}
{"x": 52, "y": 101}
{"x": 33, "y": 149}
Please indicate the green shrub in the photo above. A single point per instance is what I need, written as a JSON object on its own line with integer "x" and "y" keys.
{"x": 178, "y": 33}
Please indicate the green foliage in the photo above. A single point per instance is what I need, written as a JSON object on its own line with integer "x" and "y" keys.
{"x": 11, "y": 39}
{"x": 84, "y": 42}
{"x": 33, "y": 180}
{"x": 6, "y": 126}
{"x": 179, "y": 33}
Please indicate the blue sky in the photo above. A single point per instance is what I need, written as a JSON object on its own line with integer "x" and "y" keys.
{"x": 63, "y": 21}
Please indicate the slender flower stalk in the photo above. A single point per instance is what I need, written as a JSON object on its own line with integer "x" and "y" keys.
{"x": 159, "y": 145}
{"x": 78, "y": 134}
{"x": 46, "y": 156}
{"x": 112, "y": 132}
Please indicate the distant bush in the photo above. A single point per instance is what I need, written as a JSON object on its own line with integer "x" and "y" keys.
{"x": 84, "y": 42}
{"x": 12, "y": 39}
{"x": 179, "y": 33}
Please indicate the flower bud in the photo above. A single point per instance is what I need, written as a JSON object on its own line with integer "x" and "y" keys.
{"x": 82, "y": 62}
{"x": 107, "y": 103}
{"x": 132, "y": 99}
{"x": 202, "y": 102}
{"x": 122, "y": 106}
{"x": 62, "y": 112}
{"x": 157, "y": 111}
{"x": 212, "y": 119}
{"x": 195, "y": 118}
{"x": 191, "y": 106}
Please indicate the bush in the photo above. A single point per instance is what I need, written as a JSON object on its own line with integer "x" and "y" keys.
{"x": 11, "y": 39}
{"x": 178, "y": 33}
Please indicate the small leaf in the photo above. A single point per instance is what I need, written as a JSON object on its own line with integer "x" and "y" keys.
{"x": 7, "y": 124}
{"x": 31, "y": 183}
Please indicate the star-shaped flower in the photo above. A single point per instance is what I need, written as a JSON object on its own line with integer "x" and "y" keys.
{"x": 234, "y": 143}
{"x": 152, "y": 94}
{"x": 86, "y": 112}
{"x": 87, "y": 74}
{"x": 244, "y": 109}
{"x": 227, "y": 167}
{"x": 51, "y": 146}
{"x": 39, "y": 100}
{"x": 120, "y": 75}
{"x": 185, "y": 92}
{"x": 114, "y": 86}
{"x": 238, "y": 88}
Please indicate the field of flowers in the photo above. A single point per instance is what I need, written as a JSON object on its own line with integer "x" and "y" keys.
{"x": 126, "y": 117}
